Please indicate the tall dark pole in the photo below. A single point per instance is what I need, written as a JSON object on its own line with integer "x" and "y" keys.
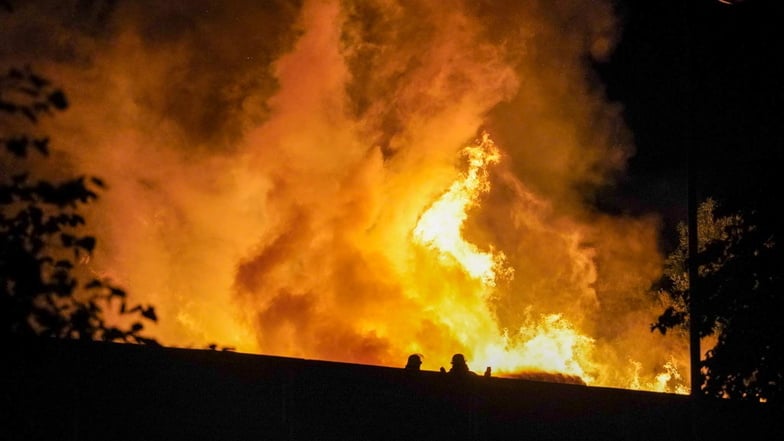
{"x": 694, "y": 294}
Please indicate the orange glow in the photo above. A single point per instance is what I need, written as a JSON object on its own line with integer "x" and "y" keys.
{"x": 293, "y": 179}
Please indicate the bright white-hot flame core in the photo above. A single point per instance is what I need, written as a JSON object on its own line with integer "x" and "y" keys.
{"x": 440, "y": 227}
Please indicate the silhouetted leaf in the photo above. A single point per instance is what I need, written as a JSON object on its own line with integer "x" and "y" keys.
{"x": 67, "y": 239}
{"x": 7, "y": 107}
{"x": 38, "y": 81}
{"x": 42, "y": 145}
{"x": 58, "y": 100}
{"x": 149, "y": 313}
{"x": 98, "y": 181}
{"x": 112, "y": 334}
{"x": 6, "y": 195}
{"x": 17, "y": 146}
{"x": 29, "y": 114}
{"x": 42, "y": 288}
{"x": 35, "y": 214}
{"x": 15, "y": 74}
{"x": 95, "y": 283}
{"x": 86, "y": 243}
{"x": 28, "y": 91}
{"x": 66, "y": 264}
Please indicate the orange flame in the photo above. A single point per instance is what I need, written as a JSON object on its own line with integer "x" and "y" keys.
{"x": 440, "y": 226}
{"x": 283, "y": 181}
{"x": 552, "y": 344}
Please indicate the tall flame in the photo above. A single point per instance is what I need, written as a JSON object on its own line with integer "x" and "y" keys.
{"x": 440, "y": 227}
{"x": 552, "y": 344}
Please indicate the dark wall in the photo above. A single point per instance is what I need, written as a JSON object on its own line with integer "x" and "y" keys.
{"x": 92, "y": 391}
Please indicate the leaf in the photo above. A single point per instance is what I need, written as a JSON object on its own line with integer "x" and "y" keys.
{"x": 67, "y": 239}
{"x": 95, "y": 283}
{"x": 28, "y": 91}
{"x": 112, "y": 334}
{"x": 65, "y": 264}
{"x": 669, "y": 319}
{"x": 149, "y": 313}
{"x": 58, "y": 100}
{"x": 38, "y": 81}
{"x": 29, "y": 114}
{"x": 36, "y": 214}
{"x": 42, "y": 145}
{"x": 86, "y": 243}
{"x": 5, "y": 196}
{"x": 7, "y": 107}
{"x": 75, "y": 220}
{"x": 17, "y": 146}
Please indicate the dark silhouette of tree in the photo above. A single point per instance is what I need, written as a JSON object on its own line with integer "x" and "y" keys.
{"x": 41, "y": 247}
{"x": 740, "y": 303}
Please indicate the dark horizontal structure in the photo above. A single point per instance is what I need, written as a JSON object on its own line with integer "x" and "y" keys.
{"x": 66, "y": 390}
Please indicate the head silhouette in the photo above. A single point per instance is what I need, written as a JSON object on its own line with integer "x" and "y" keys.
{"x": 459, "y": 364}
{"x": 414, "y": 361}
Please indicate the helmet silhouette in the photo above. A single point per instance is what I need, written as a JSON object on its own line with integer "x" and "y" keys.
{"x": 459, "y": 365}
{"x": 414, "y": 361}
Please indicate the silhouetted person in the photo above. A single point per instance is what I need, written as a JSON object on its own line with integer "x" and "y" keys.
{"x": 442, "y": 370}
{"x": 459, "y": 366}
{"x": 488, "y": 371}
{"x": 414, "y": 362}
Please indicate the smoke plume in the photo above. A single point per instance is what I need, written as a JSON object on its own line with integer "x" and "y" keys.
{"x": 267, "y": 163}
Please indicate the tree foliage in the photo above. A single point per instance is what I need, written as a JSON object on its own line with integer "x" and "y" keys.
{"x": 42, "y": 249}
{"x": 740, "y": 302}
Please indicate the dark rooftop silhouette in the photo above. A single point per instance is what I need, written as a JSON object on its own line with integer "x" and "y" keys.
{"x": 95, "y": 391}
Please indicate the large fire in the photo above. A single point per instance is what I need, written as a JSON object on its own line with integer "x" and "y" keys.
{"x": 306, "y": 180}
{"x": 552, "y": 344}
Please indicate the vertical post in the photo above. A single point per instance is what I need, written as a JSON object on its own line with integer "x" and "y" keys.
{"x": 689, "y": 19}
{"x": 694, "y": 297}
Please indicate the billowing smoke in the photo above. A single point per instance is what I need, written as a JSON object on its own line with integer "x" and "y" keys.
{"x": 268, "y": 161}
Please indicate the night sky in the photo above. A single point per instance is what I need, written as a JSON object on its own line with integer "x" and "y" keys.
{"x": 706, "y": 77}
